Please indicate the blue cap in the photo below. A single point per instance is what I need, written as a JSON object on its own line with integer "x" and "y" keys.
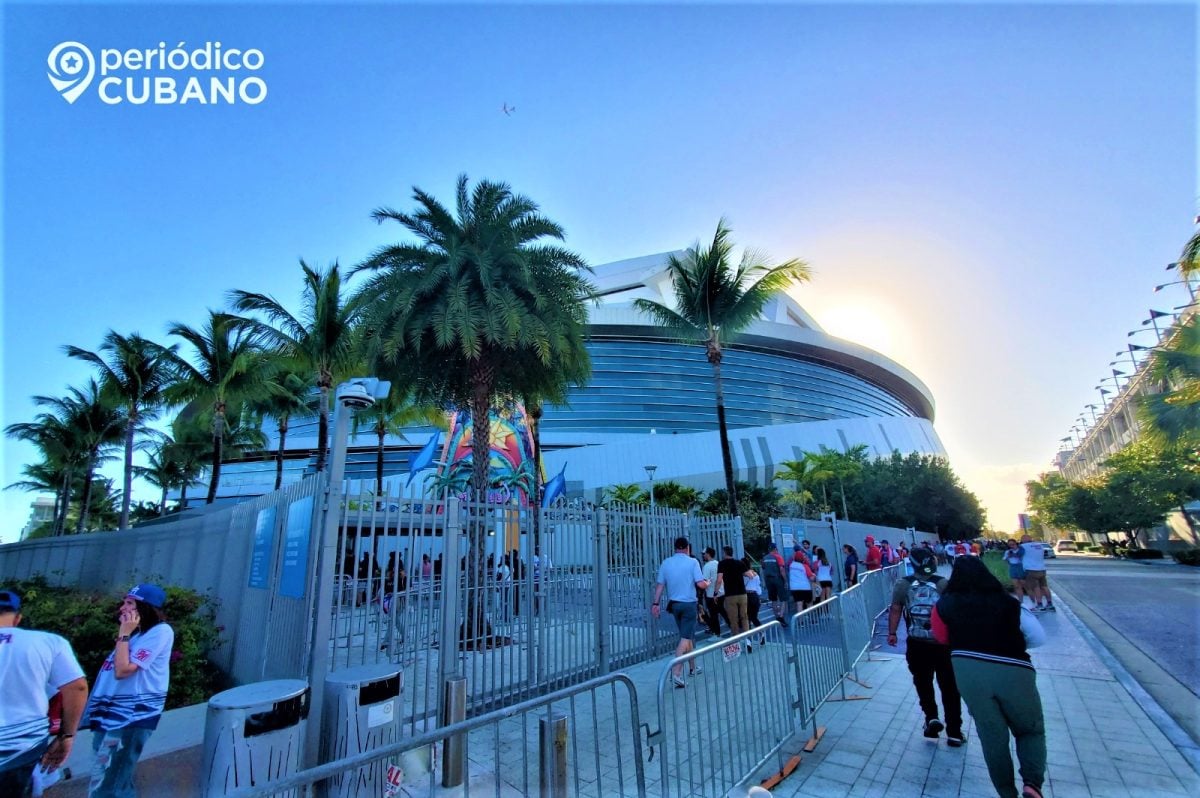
{"x": 153, "y": 595}
{"x": 9, "y": 601}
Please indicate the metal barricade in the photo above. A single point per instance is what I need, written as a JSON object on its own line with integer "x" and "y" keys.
{"x": 816, "y": 635}
{"x": 582, "y": 741}
{"x": 732, "y": 716}
{"x": 857, "y": 623}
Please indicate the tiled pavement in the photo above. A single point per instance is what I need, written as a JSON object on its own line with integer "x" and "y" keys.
{"x": 1100, "y": 741}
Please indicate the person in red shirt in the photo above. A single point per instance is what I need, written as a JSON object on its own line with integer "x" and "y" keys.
{"x": 874, "y": 557}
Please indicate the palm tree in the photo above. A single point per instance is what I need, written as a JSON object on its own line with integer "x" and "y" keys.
{"x": 43, "y": 477}
{"x": 163, "y": 472}
{"x": 800, "y": 474}
{"x": 391, "y": 416}
{"x": 624, "y": 494}
{"x": 230, "y": 367}
{"x": 1189, "y": 259}
{"x": 322, "y": 339}
{"x": 53, "y": 437}
{"x": 289, "y": 395}
{"x": 1174, "y": 414}
{"x": 715, "y": 301}
{"x": 135, "y": 376}
{"x": 476, "y": 308}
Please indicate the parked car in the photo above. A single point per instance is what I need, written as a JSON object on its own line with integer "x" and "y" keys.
{"x": 1049, "y": 551}
{"x": 1065, "y": 545}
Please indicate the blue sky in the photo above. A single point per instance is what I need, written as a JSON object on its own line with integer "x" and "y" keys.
{"x": 987, "y": 194}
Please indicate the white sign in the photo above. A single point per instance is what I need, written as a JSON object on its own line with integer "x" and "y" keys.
{"x": 380, "y": 714}
{"x": 732, "y": 651}
{"x": 391, "y": 785}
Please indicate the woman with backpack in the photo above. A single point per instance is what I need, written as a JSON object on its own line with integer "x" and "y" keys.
{"x": 989, "y": 634}
{"x": 800, "y": 577}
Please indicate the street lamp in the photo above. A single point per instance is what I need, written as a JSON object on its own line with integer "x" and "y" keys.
{"x": 650, "y": 469}
{"x": 355, "y": 394}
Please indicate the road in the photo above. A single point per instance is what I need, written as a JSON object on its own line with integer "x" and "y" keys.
{"x": 1148, "y": 616}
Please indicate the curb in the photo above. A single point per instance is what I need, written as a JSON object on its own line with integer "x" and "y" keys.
{"x": 1175, "y": 734}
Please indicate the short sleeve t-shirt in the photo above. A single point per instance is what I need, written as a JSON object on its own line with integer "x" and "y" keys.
{"x": 710, "y": 573}
{"x": 31, "y": 663}
{"x": 1035, "y": 556}
{"x": 1016, "y": 562}
{"x": 138, "y": 699}
{"x": 679, "y": 574}
{"x": 733, "y": 576}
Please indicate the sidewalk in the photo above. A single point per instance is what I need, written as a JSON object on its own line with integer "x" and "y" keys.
{"x": 1100, "y": 741}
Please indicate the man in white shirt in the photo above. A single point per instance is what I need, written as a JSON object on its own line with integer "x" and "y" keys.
{"x": 713, "y": 595}
{"x": 678, "y": 577}
{"x": 33, "y": 666}
{"x": 1034, "y": 561}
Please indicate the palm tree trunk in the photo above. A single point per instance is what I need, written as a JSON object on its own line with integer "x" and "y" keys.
{"x": 86, "y": 499}
{"x": 128, "y": 482}
{"x": 476, "y": 629}
{"x": 162, "y": 503}
{"x": 218, "y": 445}
{"x": 726, "y": 459}
{"x": 60, "y": 518}
{"x": 322, "y": 428}
{"x": 379, "y": 460}
{"x": 842, "y": 489}
{"x": 283, "y": 430}
{"x": 534, "y": 410}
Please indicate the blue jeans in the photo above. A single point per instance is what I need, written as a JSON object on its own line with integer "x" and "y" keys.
{"x": 16, "y": 773}
{"x": 116, "y": 754}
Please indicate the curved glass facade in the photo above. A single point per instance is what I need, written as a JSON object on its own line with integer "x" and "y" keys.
{"x": 639, "y": 385}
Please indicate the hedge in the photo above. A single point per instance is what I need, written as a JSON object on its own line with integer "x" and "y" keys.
{"x": 89, "y": 621}
{"x": 1187, "y": 557}
{"x": 1143, "y": 554}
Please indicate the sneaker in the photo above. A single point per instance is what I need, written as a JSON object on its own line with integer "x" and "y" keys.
{"x": 697, "y": 671}
{"x": 678, "y": 682}
{"x": 1050, "y": 608}
{"x": 1037, "y": 608}
{"x": 955, "y": 738}
{"x": 933, "y": 727}
{"x": 1031, "y": 792}
{"x": 749, "y": 647}
{"x": 762, "y": 639}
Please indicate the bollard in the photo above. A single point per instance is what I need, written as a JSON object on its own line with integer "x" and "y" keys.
{"x": 454, "y": 747}
{"x": 552, "y": 769}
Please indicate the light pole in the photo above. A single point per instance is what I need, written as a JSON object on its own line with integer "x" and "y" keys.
{"x": 650, "y": 469}
{"x": 355, "y": 394}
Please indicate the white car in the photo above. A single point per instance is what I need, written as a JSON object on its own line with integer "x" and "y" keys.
{"x": 1049, "y": 551}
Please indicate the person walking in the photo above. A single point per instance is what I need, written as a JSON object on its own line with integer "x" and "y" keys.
{"x": 824, "y": 574}
{"x": 800, "y": 581}
{"x": 130, "y": 692}
{"x": 1034, "y": 562}
{"x": 774, "y": 575}
{"x": 989, "y": 635}
{"x": 914, "y": 597}
{"x": 731, "y": 579}
{"x": 753, "y": 598}
{"x": 33, "y": 667}
{"x": 850, "y": 565}
{"x": 712, "y": 596}
{"x": 1014, "y": 555}
{"x": 873, "y": 558}
{"x": 678, "y": 578}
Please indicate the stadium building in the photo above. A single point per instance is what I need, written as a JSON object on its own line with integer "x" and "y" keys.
{"x": 789, "y": 388}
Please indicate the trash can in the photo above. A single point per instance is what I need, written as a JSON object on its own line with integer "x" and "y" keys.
{"x": 361, "y": 713}
{"x": 253, "y": 734}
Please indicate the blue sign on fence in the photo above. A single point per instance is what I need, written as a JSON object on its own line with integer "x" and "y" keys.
{"x": 264, "y": 543}
{"x": 294, "y": 573}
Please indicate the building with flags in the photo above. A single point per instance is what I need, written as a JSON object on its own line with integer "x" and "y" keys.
{"x": 789, "y": 388}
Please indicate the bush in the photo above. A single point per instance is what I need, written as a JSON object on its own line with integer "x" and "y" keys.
{"x": 1144, "y": 554}
{"x": 1187, "y": 557}
{"x": 89, "y": 621}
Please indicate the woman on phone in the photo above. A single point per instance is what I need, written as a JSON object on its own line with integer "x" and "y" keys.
{"x": 130, "y": 692}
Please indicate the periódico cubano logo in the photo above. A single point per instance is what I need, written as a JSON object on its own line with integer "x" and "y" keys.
{"x": 72, "y": 68}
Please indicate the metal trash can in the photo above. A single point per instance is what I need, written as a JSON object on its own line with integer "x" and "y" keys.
{"x": 253, "y": 734}
{"x": 361, "y": 713}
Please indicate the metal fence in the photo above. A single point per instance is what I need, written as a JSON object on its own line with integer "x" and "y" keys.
{"x": 735, "y": 711}
{"x": 581, "y": 741}
{"x": 747, "y": 700}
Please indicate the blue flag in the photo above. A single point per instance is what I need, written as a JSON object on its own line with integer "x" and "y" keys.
{"x": 423, "y": 458}
{"x": 555, "y": 488}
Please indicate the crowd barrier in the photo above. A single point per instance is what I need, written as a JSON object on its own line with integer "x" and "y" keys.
{"x": 581, "y": 741}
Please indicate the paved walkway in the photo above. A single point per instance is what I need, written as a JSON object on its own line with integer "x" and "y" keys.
{"x": 1100, "y": 741}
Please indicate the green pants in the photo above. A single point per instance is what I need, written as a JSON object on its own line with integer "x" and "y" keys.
{"x": 1004, "y": 698}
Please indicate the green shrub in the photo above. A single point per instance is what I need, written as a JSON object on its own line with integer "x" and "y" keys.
{"x": 89, "y": 621}
{"x": 1187, "y": 557}
{"x": 1144, "y": 554}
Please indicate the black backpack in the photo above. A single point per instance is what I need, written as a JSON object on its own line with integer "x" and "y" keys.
{"x": 918, "y": 609}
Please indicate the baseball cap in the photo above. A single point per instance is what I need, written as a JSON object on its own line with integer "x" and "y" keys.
{"x": 153, "y": 595}
{"x": 9, "y": 601}
{"x": 772, "y": 547}
{"x": 870, "y": 539}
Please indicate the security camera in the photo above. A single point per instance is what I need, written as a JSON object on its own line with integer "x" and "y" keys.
{"x": 360, "y": 393}
{"x": 354, "y": 396}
